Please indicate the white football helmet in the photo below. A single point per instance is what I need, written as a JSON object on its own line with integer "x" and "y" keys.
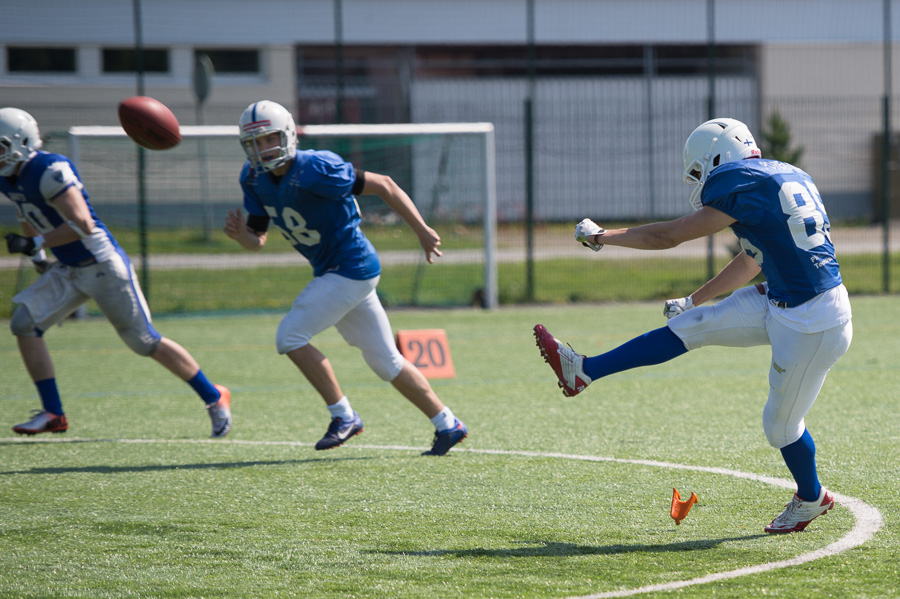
{"x": 260, "y": 119}
{"x": 713, "y": 144}
{"x": 19, "y": 139}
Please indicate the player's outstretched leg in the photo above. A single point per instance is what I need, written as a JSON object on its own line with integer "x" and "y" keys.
{"x": 798, "y": 514}
{"x": 566, "y": 363}
{"x": 339, "y": 431}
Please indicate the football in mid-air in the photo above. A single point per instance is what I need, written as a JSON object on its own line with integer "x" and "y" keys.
{"x": 149, "y": 123}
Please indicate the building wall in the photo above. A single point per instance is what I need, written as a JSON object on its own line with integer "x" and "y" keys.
{"x": 435, "y": 21}
{"x": 821, "y": 63}
{"x": 831, "y": 95}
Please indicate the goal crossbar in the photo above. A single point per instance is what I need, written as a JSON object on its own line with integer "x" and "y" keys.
{"x": 381, "y": 130}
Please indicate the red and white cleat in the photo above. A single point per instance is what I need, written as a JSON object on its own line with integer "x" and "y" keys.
{"x": 565, "y": 362}
{"x": 798, "y": 513}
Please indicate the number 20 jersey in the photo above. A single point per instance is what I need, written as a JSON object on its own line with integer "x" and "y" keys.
{"x": 781, "y": 223}
{"x": 313, "y": 207}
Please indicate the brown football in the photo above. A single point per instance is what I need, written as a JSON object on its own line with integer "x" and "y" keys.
{"x": 149, "y": 123}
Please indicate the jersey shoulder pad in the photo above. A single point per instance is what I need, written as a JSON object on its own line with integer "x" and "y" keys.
{"x": 57, "y": 176}
{"x": 729, "y": 179}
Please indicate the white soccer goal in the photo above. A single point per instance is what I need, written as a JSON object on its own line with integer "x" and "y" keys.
{"x": 447, "y": 168}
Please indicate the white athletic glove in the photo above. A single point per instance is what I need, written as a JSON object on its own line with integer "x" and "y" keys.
{"x": 586, "y": 228}
{"x": 674, "y": 307}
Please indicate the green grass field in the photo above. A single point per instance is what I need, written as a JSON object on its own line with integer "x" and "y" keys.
{"x": 135, "y": 501}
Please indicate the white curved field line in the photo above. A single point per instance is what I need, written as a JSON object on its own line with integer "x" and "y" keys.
{"x": 868, "y": 519}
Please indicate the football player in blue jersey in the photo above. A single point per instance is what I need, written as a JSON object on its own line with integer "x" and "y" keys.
{"x": 802, "y": 310}
{"x": 308, "y": 196}
{"x": 54, "y": 212}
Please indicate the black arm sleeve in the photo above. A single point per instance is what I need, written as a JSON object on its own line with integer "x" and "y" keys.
{"x": 359, "y": 183}
{"x": 260, "y": 224}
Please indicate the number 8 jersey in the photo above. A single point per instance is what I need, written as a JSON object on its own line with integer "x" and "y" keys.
{"x": 314, "y": 208}
{"x": 781, "y": 223}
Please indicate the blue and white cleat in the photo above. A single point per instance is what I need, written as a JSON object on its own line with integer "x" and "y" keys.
{"x": 445, "y": 440}
{"x": 338, "y": 432}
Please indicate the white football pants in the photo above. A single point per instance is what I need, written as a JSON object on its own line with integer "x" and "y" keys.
{"x": 800, "y": 361}
{"x": 111, "y": 283}
{"x": 354, "y": 309}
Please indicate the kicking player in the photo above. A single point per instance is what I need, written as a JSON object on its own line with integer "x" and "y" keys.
{"x": 309, "y": 197}
{"x": 54, "y": 212}
{"x": 802, "y": 310}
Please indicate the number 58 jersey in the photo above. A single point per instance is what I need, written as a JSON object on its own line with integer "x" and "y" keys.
{"x": 781, "y": 223}
{"x": 313, "y": 208}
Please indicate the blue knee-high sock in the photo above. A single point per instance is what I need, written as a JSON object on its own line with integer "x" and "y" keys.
{"x": 207, "y": 392}
{"x": 800, "y": 457}
{"x": 650, "y": 348}
{"x": 49, "y": 396}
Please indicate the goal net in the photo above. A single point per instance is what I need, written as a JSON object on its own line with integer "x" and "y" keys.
{"x": 167, "y": 209}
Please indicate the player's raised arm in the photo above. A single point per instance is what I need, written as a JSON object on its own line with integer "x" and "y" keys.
{"x": 385, "y": 188}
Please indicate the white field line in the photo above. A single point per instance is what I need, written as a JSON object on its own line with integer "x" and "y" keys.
{"x": 867, "y": 519}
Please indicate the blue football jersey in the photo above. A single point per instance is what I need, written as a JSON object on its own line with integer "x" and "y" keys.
{"x": 313, "y": 207}
{"x": 41, "y": 179}
{"x": 781, "y": 222}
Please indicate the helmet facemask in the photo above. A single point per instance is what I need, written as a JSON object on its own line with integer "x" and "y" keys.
{"x": 694, "y": 176}
{"x": 267, "y": 159}
{"x": 9, "y": 157}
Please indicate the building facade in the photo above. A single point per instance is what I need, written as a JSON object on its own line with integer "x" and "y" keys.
{"x": 613, "y": 86}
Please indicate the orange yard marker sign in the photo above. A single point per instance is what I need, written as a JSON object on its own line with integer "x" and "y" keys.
{"x": 429, "y": 351}
{"x": 681, "y": 508}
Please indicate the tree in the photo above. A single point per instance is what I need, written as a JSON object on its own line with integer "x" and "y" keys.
{"x": 776, "y": 140}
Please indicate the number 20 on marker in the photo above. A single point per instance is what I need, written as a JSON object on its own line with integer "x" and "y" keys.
{"x": 428, "y": 351}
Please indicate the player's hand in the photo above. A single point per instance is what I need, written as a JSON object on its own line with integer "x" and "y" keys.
{"x": 674, "y": 307}
{"x": 234, "y": 224}
{"x": 430, "y": 241}
{"x": 584, "y": 230}
{"x": 19, "y": 244}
